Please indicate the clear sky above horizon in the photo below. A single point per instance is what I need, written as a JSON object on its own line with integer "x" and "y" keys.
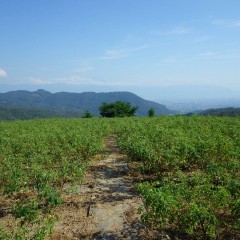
{"x": 93, "y": 45}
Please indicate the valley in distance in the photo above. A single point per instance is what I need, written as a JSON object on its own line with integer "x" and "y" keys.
{"x": 23, "y": 105}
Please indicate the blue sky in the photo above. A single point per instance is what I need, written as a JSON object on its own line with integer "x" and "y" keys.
{"x": 106, "y": 45}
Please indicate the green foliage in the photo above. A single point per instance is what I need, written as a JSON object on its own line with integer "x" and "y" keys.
{"x": 193, "y": 162}
{"x": 40, "y": 104}
{"x": 230, "y": 112}
{"x": 50, "y": 197}
{"x": 37, "y": 158}
{"x": 42, "y": 228}
{"x": 26, "y": 114}
{"x": 196, "y": 165}
{"x": 117, "y": 109}
{"x": 27, "y": 210}
{"x": 151, "y": 112}
{"x": 190, "y": 202}
{"x": 87, "y": 114}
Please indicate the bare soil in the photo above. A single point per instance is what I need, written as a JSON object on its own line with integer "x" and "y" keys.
{"x": 106, "y": 205}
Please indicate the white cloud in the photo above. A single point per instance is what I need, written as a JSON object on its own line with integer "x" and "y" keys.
{"x": 200, "y": 39}
{"x": 236, "y": 23}
{"x": 2, "y": 73}
{"x": 227, "y": 23}
{"x": 204, "y": 56}
{"x": 36, "y": 81}
{"x": 84, "y": 69}
{"x": 209, "y": 54}
{"x": 60, "y": 80}
{"x": 174, "y": 31}
{"x": 72, "y": 80}
{"x": 115, "y": 54}
{"x": 227, "y": 55}
{"x": 175, "y": 60}
{"x": 121, "y": 53}
{"x": 75, "y": 80}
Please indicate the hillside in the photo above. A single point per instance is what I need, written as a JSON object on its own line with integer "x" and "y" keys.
{"x": 229, "y": 112}
{"x": 26, "y": 114}
{"x": 86, "y": 101}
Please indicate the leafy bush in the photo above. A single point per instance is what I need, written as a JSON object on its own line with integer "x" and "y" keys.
{"x": 117, "y": 109}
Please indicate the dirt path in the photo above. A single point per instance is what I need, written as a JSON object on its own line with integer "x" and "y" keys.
{"x": 105, "y": 205}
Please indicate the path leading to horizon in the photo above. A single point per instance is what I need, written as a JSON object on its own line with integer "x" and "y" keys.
{"x": 106, "y": 205}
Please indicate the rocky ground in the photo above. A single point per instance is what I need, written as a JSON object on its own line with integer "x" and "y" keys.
{"x": 106, "y": 205}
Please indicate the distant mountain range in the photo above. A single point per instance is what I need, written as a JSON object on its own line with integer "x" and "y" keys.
{"x": 187, "y": 98}
{"x": 195, "y": 92}
{"x": 222, "y": 112}
{"x": 77, "y": 102}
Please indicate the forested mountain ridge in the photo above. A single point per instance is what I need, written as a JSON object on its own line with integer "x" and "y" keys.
{"x": 228, "y": 112}
{"x": 86, "y": 101}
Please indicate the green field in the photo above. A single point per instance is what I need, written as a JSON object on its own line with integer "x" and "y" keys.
{"x": 194, "y": 163}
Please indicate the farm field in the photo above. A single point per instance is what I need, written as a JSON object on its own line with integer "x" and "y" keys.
{"x": 36, "y": 159}
{"x": 195, "y": 162}
{"x": 192, "y": 164}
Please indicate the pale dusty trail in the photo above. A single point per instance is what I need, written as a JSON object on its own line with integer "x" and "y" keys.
{"x": 105, "y": 206}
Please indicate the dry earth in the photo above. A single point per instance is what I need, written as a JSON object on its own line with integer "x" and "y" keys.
{"x": 106, "y": 205}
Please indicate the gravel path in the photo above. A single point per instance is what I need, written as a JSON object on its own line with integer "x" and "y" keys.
{"x": 105, "y": 206}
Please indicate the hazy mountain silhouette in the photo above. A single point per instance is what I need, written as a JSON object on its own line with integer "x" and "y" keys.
{"x": 86, "y": 101}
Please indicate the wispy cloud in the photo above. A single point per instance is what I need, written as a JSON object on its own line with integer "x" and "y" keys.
{"x": 84, "y": 69}
{"x": 200, "y": 39}
{"x": 204, "y": 56}
{"x": 227, "y": 23}
{"x": 173, "y": 31}
{"x": 227, "y": 55}
{"x": 35, "y": 81}
{"x": 74, "y": 80}
{"x": 174, "y": 60}
{"x": 3, "y": 73}
{"x": 58, "y": 80}
{"x": 208, "y": 54}
{"x": 121, "y": 52}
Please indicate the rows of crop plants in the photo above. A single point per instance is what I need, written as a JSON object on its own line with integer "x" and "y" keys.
{"x": 196, "y": 164}
{"x": 36, "y": 159}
